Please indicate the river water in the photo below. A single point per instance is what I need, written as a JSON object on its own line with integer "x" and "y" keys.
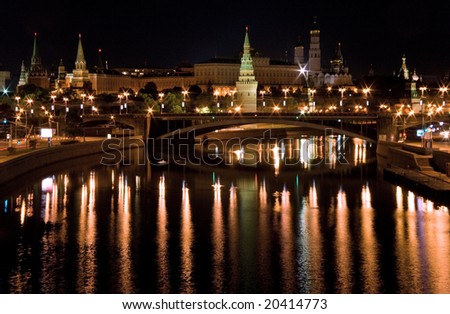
{"x": 326, "y": 224}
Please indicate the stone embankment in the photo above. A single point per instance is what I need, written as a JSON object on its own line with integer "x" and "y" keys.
{"x": 426, "y": 170}
{"x": 28, "y": 165}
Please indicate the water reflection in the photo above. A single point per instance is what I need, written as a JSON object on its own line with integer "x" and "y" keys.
{"x": 218, "y": 239}
{"x": 300, "y": 152}
{"x": 162, "y": 238}
{"x": 87, "y": 264}
{"x": 369, "y": 243}
{"x": 187, "y": 240}
{"x": 122, "y": 230}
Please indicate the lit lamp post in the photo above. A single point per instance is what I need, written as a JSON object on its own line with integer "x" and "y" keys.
{"x": 341, "y": 90}
{"x": 184, "y": 92}
{"x": 422, "y": 89}
{"x": 30, "y": 103}
{"x": 161, "y": 96}
{"x": 91, "y": 100}
{"x": 65, "y": 104}
{"x": 53, "y": 97}
{"x": 263, "y": 92}
{"x": 126, "y": 94}
{"x": 285, "y": 91}
{"x": 234, "y": 91}
{"x": 83, "y": 96}
{"x": 120, "y": 96}
{"x": 17, "y": 98}
{"x": 312, "y": 103}
{"x": 114, "y": 126}
{"x": 443, "y": 90}
{"x": 366, "y": 91}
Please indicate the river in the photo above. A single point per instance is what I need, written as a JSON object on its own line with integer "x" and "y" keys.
{"x": 327, "y": 223}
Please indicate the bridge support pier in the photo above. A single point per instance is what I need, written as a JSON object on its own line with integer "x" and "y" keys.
{"x": 386, "y": 128}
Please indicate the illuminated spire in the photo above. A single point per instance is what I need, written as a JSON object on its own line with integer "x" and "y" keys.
{"x": 80, "y": 62}
{"x": 36, "y": 63}
{"x": 23, "y": 74}
{"x": 246, "y": 85}
{"x": 80, "y": 73}
{"x": 100, "y": 60}
{"x": 246, "y": 60}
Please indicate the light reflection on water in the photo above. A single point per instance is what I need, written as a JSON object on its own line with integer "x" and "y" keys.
{"x": 136, "y": 230}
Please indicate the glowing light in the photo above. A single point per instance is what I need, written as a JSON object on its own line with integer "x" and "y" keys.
{"x": 217, "y": 186}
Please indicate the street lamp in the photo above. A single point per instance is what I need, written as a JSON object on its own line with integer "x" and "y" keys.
{"x": 184, "y": 92}
{"x": 341, "y": 90}
{"x": 366, "y": 91}
{"x": 285, "y": 91}
{"x": 53, "y": 97}
{"x": 120, "y": 96}
{"x": 443, "y": 90}
{"x": 422, "y": 89}
{"x": 65, "y": 103}
{"x": 30, "y": 103}
{"x": 17, "y": 105}
{"x": 262, "y": 92}
{"x": 161, "y": 96}
{"x": 126, "y": 94}
{"x": 312, "y": 102}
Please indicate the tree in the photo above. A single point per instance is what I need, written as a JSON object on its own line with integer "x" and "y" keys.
{"x": 150, "y": 103}
{"x": 173, "y": 102}
{"x": 194, "y": 91}
{"x": 73, "y": 122}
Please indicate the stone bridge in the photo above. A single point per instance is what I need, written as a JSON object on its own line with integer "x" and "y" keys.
{"x": 166, "y": 125}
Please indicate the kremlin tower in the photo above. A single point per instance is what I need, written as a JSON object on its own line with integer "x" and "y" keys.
{"x": 80, "y": 73}
{"x": 246, "y": 85}
{"x": 36, "y": 75}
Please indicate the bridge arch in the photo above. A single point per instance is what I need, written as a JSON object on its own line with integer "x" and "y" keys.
{"x": 134, "y": 121}
{"x": 201, "y": 129}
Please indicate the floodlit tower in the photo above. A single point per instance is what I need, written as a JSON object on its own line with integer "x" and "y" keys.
{"x": 80, "y": 73}
{"x": 246, "y": 85}
{"x": 37, "y": 75}
{"x": 23, "y": 75}
{"x": 314, "y": 61}
{"x": 299, "y": 53}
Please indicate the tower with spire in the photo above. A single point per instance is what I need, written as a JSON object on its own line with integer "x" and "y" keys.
{"x": 299, "y": 53}
{"x": 404, "y": 71}
{"x": 23, "y": 74}
{"x": 337, "y": 62}
{"x": 314, "y": 61}
{"x": 61, "y": 79}
{"x": 37, "y": 75}
{"x": 246, "y": 85}
{"x": 80, "y": 73}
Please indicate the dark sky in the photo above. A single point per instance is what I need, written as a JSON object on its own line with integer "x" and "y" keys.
{"x": 166, "y": 33}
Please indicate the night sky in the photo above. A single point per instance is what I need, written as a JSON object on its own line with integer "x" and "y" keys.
{"x": 167, "y": 33}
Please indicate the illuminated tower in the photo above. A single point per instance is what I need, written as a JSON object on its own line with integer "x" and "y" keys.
{"x": 299, "y": 53}
{"x": 314, "y": 61}
{"x": 246, "y": 85}
{"x": 80, "y": 73}
{"x": 61, "y": 79}
{"x": 404, "y": 69}
{"x": 37, "y": 75}
{"x": 337, "y": 62}
{"x": 23, "y": 75}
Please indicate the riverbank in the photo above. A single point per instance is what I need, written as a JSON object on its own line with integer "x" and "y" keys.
{"x": 420, "y": 168}
{"x": 26, "y": 162}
